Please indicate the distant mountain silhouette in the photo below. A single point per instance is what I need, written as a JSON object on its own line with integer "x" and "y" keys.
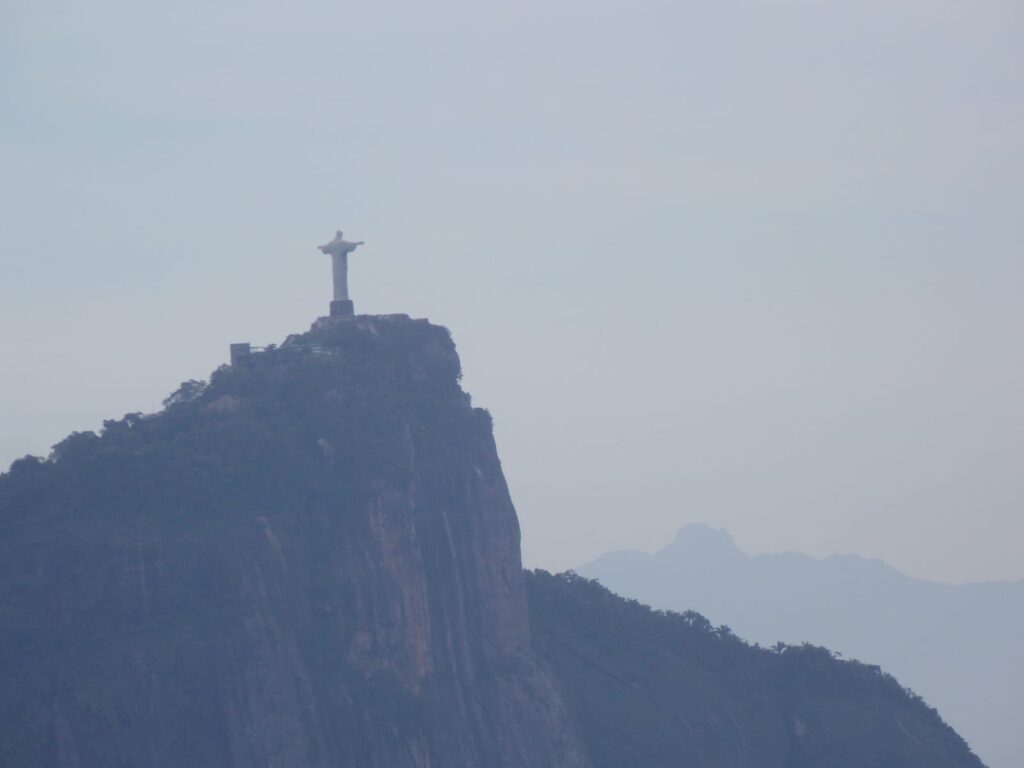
{"x": 960, "y": 647}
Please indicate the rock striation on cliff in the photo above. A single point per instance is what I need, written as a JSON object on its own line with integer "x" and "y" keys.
{"x": 313, "y": 561}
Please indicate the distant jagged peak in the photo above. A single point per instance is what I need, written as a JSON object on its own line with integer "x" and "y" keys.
{"x": 699, "y": 537}
{"x": 709, "y": 544}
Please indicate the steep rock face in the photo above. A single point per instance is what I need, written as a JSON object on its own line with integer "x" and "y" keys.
{"x": 311, "y": 561}
{"x": 663, "y": 690}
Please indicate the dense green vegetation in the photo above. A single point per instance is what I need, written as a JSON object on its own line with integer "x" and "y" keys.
{"x": 236, "y": 445}
{"x": 658, "y": 689}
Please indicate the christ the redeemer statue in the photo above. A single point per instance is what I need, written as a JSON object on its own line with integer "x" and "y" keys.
{"x": 339, "y": 249}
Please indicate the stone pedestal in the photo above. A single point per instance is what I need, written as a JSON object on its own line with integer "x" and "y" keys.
{"x": 342, "y": 308}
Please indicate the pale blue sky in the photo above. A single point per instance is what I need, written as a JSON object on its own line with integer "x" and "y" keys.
{"x": 756, "y": 264}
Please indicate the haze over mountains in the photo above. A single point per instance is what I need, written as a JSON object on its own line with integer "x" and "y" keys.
{"x": 312, "y": 560}
{"x": 960, "y": 647}
{"x": 794, "y": 225}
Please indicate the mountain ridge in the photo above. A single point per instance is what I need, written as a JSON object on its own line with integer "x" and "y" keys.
{"x": 313, "y": 560}
{"x": 952, "y": 643}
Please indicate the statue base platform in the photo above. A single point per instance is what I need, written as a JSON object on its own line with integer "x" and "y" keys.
{"x": 342, "y": 308}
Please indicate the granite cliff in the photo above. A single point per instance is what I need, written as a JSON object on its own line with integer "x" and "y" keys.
{"x": 313, "y": 560}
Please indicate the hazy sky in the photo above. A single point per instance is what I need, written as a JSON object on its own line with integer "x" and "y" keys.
{"x": 757, "y": 264}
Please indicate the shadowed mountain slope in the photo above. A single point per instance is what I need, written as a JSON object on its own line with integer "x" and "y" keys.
{"x": 957, "y": 646}
{"x": 313, "y": 561}
{"x": 655, "y": 689}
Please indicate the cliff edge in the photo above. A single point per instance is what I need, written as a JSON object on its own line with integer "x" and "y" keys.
{"x": 312, "y": 560}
